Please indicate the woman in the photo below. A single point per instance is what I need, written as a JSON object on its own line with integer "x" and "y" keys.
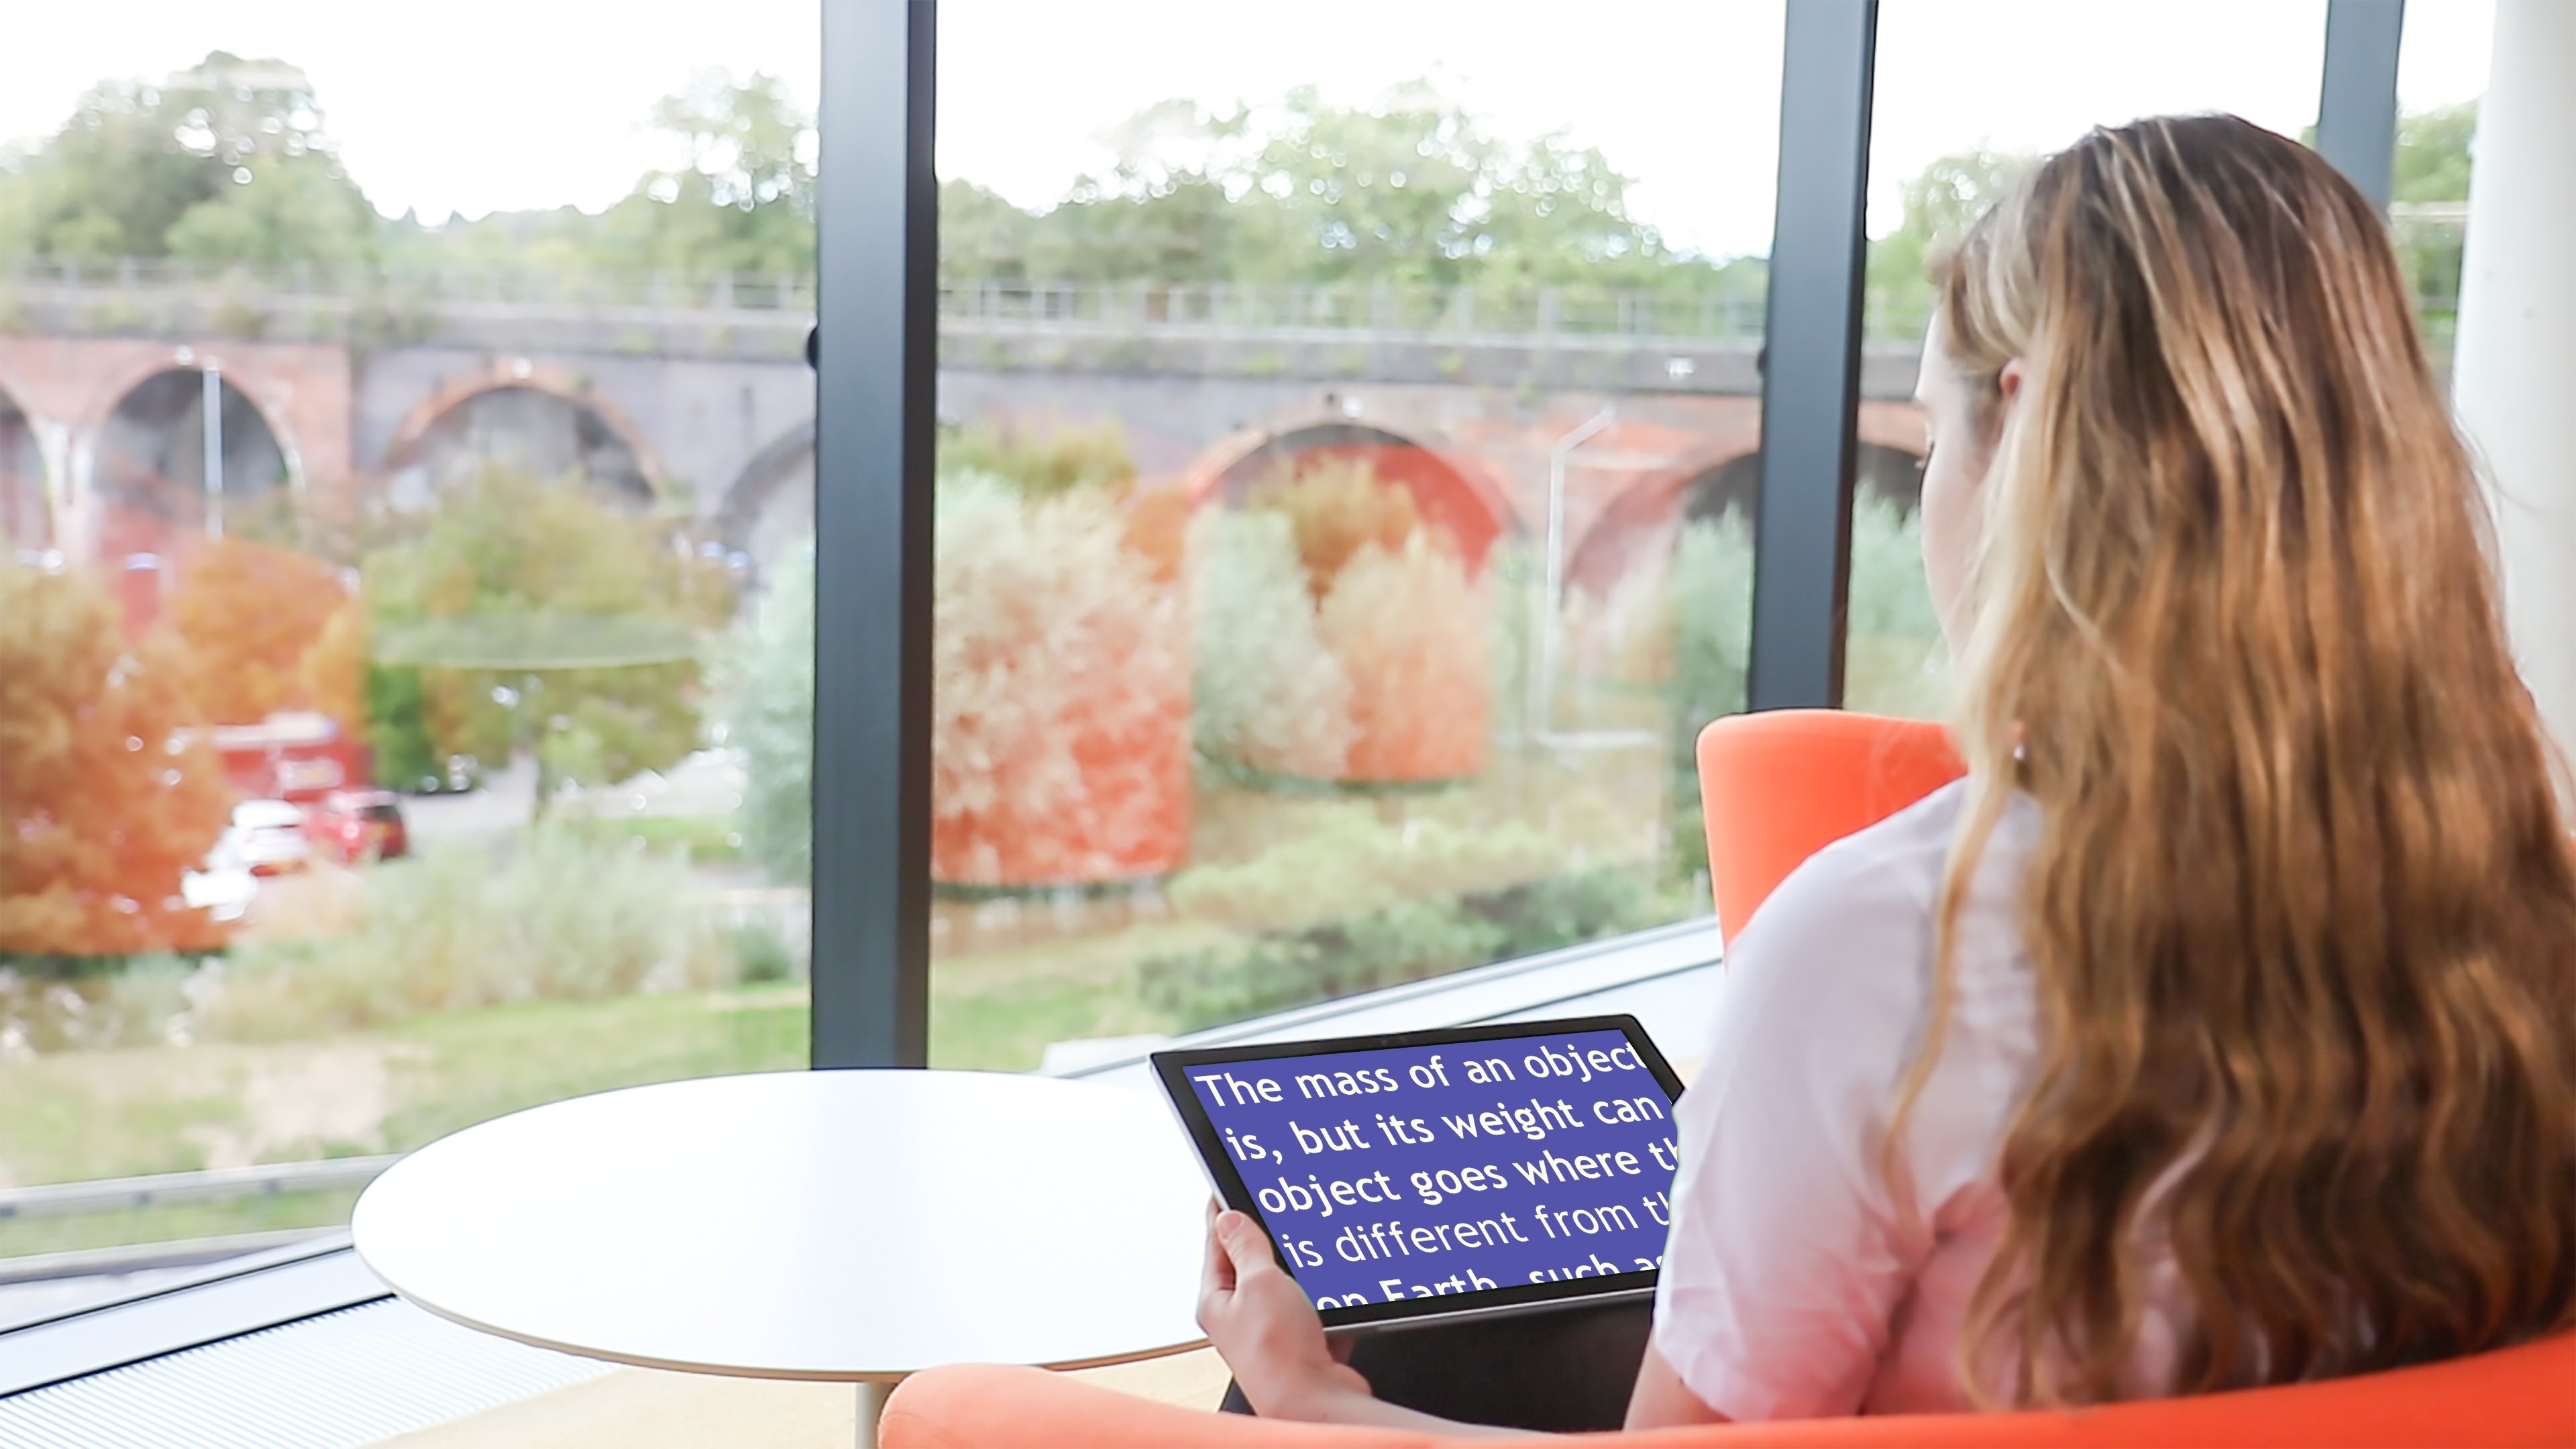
{"x": 2220, "y": 1028}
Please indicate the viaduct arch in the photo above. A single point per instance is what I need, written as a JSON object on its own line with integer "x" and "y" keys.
{"x": 516, "y": 412}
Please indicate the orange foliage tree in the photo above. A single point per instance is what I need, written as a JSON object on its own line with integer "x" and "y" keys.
{"x": 1410, "y": 629}
{"x": 105, "y": 799}
{"x": 1391, "y": 641}
{"x": 1060, "y": 708}
{"x": 250, "y": 614}
{"x": 1335, "y": 507}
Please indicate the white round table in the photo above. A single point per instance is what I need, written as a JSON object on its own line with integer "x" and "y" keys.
{"x": 846, "y": 1225}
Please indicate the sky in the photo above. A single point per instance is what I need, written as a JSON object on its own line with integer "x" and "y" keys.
{"x": 472, "y": 106}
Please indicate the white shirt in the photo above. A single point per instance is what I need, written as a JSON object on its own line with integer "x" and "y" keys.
{"x": 1795, "y": 1284}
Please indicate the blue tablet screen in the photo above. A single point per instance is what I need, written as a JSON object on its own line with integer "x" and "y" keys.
{"x": 1414, "y": 1172}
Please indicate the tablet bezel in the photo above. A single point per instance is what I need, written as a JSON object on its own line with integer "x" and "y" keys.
{"x": 1171, "y": 1067}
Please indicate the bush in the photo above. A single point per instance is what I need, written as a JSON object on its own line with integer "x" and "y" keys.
{"x": 1347, "y": 863}
{"x": 1063, "y": 461}
{"x": 1894, "y": 659}
{"x": 563, "y": 917}
{"x": 765, "y": 695}
{"x": 75, "y": 1003}
{"x": 1404, "y": 941}
{"x": 761, "y": 954}
{"x": 1712, "y": 642}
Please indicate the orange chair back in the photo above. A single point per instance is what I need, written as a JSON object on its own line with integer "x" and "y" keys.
{"x": 2512, "y": 1398}
{"x": 1778, "y": 786}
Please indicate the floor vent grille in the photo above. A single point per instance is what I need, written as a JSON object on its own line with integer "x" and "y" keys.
{"x": 335, "y": 1381}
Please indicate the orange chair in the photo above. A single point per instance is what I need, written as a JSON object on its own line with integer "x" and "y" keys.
{"x": 1778, "y": 786}
{"x": 2514, "y": 1398}
{"x": 1785, "y": 784}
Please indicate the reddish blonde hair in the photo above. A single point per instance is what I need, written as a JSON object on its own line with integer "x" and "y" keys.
{"x": 2303, "y": 910}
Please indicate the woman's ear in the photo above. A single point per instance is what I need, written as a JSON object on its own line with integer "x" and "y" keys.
{"x": 2009, "y": 381}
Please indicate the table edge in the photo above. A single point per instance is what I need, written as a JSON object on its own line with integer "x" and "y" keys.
{"x": 742, "y": 1371}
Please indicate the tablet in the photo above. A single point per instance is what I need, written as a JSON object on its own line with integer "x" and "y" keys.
{"x": 1439, "y": 1174}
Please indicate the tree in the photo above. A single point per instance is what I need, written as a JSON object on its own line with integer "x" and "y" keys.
{"x": 2432, "y": 172}
{"x": 543, "y": 615}
{"x": 1408, "y": 191}
{"x": 2433, "y": 152}
{"x": 742, "y": 197}
{"x": 1941, "y": 201}
{"x": 105, "y": 798}
{"x": 249, "y": 615}
{"x": 227, "y": 162}
{"x": 1060, "y": 710}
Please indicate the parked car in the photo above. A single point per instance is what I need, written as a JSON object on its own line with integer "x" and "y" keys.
{"x": 223, "y": 891}
{"x": 356, "y": 825}
{"x": 265, "y": 838}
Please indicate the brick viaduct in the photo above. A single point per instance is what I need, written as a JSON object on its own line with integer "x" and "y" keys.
{"x": 713, "y": 408}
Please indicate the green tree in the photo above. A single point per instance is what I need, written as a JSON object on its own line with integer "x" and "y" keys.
{"x": 739, "y": 197}
{"x": 226, "y": 162}
{"x": 544, "y": 616}
{"x": 742, "y": 200}
{"x": 1940, "y": 203}
{"x": 2433, "y": 153}
{"x": 1409, "y": 190}
{"x": 2431, "y": 175}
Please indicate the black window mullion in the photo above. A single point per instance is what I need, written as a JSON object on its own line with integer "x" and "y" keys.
{"x": 1812, "y": 355}
{"x": 875, "y": 381}
{"x": 2357, "y": 97}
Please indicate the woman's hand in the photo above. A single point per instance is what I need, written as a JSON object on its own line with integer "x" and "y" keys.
{"x": 1266, "y": 1330}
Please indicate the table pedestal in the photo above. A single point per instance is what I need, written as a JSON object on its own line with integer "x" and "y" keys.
{"x": 873, "y": 1394}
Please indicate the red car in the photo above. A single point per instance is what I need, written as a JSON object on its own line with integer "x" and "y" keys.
{"x": 356, "y": 825}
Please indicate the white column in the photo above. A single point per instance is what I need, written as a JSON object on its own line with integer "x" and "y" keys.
{"x": 2514, "y": 368}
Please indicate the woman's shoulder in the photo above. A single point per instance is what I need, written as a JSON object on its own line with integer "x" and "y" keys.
{"x": 1856, "y": 915}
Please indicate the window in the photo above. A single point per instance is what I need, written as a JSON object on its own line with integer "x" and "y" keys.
{"x": 1969, "y": 95}
{"x": 2441, "y": 72}
{"x": 1343, "y": 504}
{"x": 402, "y": 655}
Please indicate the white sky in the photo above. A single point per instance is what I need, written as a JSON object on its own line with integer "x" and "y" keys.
{"x": 481, "y": 105}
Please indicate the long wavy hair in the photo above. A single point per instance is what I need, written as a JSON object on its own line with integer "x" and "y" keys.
{"x": 2303, "y": 907}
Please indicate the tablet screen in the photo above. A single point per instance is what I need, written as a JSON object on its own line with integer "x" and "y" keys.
{"x": 1446, "y": 1166}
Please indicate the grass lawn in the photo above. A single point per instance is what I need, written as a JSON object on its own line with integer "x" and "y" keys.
{"x": 171, "y": 1109}
{"x": 997, "y": 1010}
{"x": 141, "y": 1110}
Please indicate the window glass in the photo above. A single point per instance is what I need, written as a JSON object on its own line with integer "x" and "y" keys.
{"x": 398, "y": 585}
{"x": 2441, "y": 72}
{"x": 1344, "y": 490}
{"x": 1970, "y": 94}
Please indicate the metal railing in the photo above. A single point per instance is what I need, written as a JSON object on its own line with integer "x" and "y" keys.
{"x": 120, "y": 294}
{"x": 107, "y": 1194}
{"x": 1732, "y": 313}
{"x": 415, "y": 285}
